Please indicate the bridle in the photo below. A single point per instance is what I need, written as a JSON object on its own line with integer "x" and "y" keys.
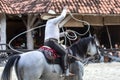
{"x": 97, "y": 48}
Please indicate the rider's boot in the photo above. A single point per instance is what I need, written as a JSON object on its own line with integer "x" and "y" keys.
{"x": 65, "y": 67}
{"x": 68, "y": 73}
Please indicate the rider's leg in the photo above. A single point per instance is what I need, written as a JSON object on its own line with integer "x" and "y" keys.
{"x": 60, "y": 50}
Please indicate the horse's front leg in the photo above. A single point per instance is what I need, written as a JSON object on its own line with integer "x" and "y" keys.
{"x": 78, "y": 69}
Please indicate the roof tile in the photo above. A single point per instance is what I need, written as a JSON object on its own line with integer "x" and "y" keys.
{"x": 5, "y": 8}
{"x": 75, "y": 6}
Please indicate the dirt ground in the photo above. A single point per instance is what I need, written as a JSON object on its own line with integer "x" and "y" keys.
{"x": 97, "y": 71}
{"x": 102, "y": 71}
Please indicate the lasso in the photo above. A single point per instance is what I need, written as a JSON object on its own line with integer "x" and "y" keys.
{"x": 74, "y": 37}
{"x": 75, "y": 33}
{"x": 9, "y": 44}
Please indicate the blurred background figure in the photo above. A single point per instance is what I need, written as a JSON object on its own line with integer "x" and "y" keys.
{"x": 116, "y": 50}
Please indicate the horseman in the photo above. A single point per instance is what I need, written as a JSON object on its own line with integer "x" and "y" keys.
{"x": 52, "y": 36}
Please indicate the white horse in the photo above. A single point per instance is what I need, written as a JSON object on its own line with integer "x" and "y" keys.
{"x": 34, "y": 66}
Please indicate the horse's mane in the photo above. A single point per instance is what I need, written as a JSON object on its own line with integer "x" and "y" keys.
{"x": 81, "y": 45}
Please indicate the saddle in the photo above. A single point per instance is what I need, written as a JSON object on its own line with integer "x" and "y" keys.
{"x": 50, "y": 54}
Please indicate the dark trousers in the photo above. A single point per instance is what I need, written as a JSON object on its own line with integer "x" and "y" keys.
{"x": 53, "y": 43}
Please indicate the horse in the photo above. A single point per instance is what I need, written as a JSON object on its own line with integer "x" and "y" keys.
{"x": 33, "y": 65}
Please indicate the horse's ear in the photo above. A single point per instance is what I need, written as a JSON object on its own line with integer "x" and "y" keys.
{"x": 90, "y": 35}
{"x": 94, "y": 36}
{"x": 96, "y": 39}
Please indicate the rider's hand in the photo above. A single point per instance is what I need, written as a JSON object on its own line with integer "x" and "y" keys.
{"x": 68, "y": 31}
{"x": 66, "y": 8}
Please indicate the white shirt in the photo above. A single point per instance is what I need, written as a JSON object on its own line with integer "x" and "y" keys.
{"x": 52, "y": 28}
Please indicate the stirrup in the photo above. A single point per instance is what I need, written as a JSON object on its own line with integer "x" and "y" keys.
{"x": 69, "y": 75}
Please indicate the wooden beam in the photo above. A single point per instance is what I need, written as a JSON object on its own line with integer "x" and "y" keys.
{"x": 112, "y": 20}
{"x": 74, "y": 23}
{"x": 94, "y": 20}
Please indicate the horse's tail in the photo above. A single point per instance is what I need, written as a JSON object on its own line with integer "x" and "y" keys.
{"x": 6, "y": 75}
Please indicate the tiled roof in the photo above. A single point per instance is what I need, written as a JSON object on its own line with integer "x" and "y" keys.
{"x": 5, "y": 8}
{"x": 88, "y": 6}
{"x": 75, "y": 6}
{"x": 29, "y": 6}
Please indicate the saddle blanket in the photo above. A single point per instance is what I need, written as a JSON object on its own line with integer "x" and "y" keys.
{"x": 49, "y": 53}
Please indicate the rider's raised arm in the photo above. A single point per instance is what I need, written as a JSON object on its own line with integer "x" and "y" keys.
{"x": 59, "y": 18}
{"x": 62, "y": 34}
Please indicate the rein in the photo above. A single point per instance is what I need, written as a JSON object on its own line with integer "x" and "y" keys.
{"x": 78, "y": 59}
{"x": 85, "y": 61}
{"x": 97, "y": 47}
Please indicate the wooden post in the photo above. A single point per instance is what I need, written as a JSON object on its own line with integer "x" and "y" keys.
{"x": 30, "y": 24}
{"x": 3, "y": 31}
{"x": 3, "y": 35}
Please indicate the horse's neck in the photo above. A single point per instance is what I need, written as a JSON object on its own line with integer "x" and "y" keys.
{"x": 78, "y": 50}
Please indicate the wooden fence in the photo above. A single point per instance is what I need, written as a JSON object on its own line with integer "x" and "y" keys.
{"x": 5, "y": 52}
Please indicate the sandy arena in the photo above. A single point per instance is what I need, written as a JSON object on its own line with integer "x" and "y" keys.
{"x": 102, "y": 71}
{"x": 98, "y": 71}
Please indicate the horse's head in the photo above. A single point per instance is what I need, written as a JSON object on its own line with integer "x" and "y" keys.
{"x": 85, "y": 46}
{"x": 93, "y": 45}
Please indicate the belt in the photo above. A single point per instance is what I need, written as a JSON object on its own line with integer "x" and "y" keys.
{"x": 52, "y": 39}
